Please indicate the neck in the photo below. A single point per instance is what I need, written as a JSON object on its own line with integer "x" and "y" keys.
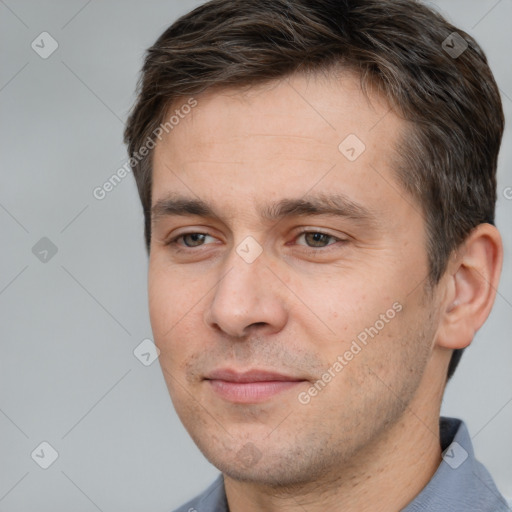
{"x": 386, "y": 475}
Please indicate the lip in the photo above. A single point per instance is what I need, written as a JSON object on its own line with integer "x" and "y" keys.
{"x": 229, "y": 375}
{"x": 253, "y": 386}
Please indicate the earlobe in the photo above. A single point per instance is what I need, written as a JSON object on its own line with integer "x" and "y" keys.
{"x": 471, "y": 283}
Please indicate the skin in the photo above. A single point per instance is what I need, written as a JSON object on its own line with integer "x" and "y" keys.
{"x": 369, "y": 439}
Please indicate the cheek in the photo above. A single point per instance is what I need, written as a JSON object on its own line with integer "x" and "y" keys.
{"x": 340, "y": 308}
{"x": 160, "y": 310}
{"x": 175, "y": 311}
{"x": 373, "y": 325}
{"x": 169, "y": 298}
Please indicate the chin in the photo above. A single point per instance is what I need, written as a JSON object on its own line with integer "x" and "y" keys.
{"x": 272, "y": 466}
{"x": 273, "y": 475}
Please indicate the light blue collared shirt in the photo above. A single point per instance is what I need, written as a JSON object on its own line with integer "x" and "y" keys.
{"x": 460, "y": 484}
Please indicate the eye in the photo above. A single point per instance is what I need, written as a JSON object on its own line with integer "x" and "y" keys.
{"x": 190, "y": 240}
{"x": 316, "y": 239}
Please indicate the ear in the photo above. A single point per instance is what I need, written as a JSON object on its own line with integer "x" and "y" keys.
{"x": 470, "y": 284}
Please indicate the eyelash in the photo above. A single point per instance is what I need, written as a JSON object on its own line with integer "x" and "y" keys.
{"x": 179, "y": 248}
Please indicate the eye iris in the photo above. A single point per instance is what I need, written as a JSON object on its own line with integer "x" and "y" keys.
{"x": 317, "y": 239}
{"x": 196, "y": 237}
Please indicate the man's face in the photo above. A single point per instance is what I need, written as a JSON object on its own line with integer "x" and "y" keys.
{"x": 249, "y": 312}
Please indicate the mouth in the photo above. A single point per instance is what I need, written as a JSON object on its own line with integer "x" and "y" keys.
{"x": 253, "y": 386}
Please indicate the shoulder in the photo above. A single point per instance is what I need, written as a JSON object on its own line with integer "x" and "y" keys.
{"x": 213, "y": 499}
{"x": 461, "y": 483}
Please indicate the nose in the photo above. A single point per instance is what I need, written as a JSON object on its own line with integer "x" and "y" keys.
{"x": 247, "y": 298}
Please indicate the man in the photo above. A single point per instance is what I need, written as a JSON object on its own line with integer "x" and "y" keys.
{"x": 318, "y": 184}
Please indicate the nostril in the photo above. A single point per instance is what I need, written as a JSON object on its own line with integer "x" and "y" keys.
{"x": 258, "y": 324}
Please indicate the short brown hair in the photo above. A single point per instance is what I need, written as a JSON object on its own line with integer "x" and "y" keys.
{"x": 401, "y": 47}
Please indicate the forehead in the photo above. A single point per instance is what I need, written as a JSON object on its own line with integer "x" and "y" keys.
{"x": 280, "y": 139}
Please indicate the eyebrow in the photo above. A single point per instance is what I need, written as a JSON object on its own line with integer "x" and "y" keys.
{"x": 336, "y": 205}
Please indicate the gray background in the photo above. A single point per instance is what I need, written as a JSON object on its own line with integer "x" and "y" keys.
{"x": 69, "y": 325}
